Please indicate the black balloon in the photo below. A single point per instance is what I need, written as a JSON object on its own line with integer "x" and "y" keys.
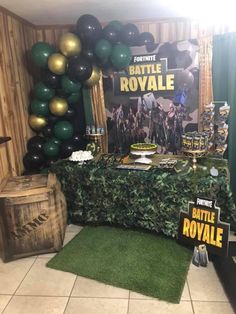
{"x": 33, "y": 161}
{"x": 47, "y": 131}
{"x": 111, "y": 34}
{"x": 61, "y": 93}
{"x": 79, "y": 142}
{"x": 50, "y": 79}
{"x": 151, "y": 47}
{"x": 79, "y": 69}
{"x": 88, "y": 28}
{"x": 88, "y": 53}
{"x": 70, "y": 113}
{"x": 67, "y": 148}
{"x": 71, "y": 64}
{"x": 106, "y": 66}
{"x": 145, "y": 38}
{"x": 103, "y": 63}
{"x": 52, "y": 119}
{"x": 129, "y": 34}
{"x": 50, "y": 161}
{"x": 166, "y": 49}
{"x": 35, "y": 144}
{"x": 73, "y": 59}
{"x": 171, "y": 61}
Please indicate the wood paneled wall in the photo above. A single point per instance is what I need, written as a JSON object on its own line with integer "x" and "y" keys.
{"x": 16, "y": 38}
{"x": 51, "y": 34}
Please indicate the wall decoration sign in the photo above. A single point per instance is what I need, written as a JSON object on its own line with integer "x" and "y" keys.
{"x": 154, "y": 99}
{"x": 146, "y": 74}
{"x": 202, "y": 225}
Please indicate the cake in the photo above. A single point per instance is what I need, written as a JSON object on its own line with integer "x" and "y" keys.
{"x": 143, "y": 147}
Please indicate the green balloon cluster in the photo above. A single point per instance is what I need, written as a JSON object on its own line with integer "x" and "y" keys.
{"x": 74, "y": 98}
{"x": 116, "y": 24}
{"x": 69, "y": 86}
{"x": 63, "y": 130}
{"x": 81, "y": 57}
{"x": 40, "y": 53}
{"x": 51, "y": 149}
{"x": 39, "y": 107}
{"x": 43, "y": 92}
{"x": 103, "y": 49}
{"x": 109, "y": 48}
{"x": 55, "y": 140}
{"x": 121, "y": 56}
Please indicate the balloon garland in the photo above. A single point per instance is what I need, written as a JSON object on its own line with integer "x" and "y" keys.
{"x": 82, "y": 55}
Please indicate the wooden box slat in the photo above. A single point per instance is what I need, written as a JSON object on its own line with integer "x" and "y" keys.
{"x": 32, "y": 220}
{"x": 25, "y": 183}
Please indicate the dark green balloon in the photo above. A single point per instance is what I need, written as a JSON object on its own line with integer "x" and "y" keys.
{"x": 103, "y": 49}
{"x": 55, "y": 140}
{"x": 39, "y": 107}
{"x": 74, "y": 98}
{"x": 121, "y": 56}
{"x": 43, "y": 92}
{"x": 50, "y": 148}
{"x": 116, "y": 24}
{"x": 40, "y": 53}
{"x": 63, "y": 130}
{"x": 69, "y": 86}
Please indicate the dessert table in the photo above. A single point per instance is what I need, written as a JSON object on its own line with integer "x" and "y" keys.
{"x": 99, "y": 193}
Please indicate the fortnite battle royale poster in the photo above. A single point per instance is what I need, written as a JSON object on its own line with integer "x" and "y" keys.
{"x": 155, "y": 99}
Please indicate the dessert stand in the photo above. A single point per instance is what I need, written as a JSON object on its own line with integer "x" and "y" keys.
{"x": 194, "y": 154}
{"x": 143, "y": 159}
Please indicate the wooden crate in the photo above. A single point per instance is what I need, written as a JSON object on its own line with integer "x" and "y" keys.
{"x": 32, "y": 216}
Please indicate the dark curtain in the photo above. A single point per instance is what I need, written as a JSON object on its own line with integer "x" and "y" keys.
{"x": 87, "y": 106}
{"x": 224, "y": 88}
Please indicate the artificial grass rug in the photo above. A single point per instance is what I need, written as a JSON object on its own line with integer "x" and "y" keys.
{"x": 142, "y": 262}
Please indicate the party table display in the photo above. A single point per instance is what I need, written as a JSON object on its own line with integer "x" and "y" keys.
{"x": 100, "y": 193}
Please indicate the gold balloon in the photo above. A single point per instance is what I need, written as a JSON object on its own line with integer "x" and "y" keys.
{"x": 70, "y": 45}
{"x": 57, "y": 63}
{"x": 94, "y": 78}
{"x": 58, "y": 106}
{"x": 36, "y": 122}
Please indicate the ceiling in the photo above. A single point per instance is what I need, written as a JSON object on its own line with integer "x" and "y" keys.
{"x": 45, "y": 12}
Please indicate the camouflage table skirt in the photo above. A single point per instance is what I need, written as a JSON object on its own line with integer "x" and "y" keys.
{"x": 99, "y": 193}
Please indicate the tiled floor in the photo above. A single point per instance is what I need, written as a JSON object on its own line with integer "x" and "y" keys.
{"x": 28, "y": 287}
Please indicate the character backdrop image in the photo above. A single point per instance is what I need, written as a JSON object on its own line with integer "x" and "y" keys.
{"x": 155, "y": 99}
